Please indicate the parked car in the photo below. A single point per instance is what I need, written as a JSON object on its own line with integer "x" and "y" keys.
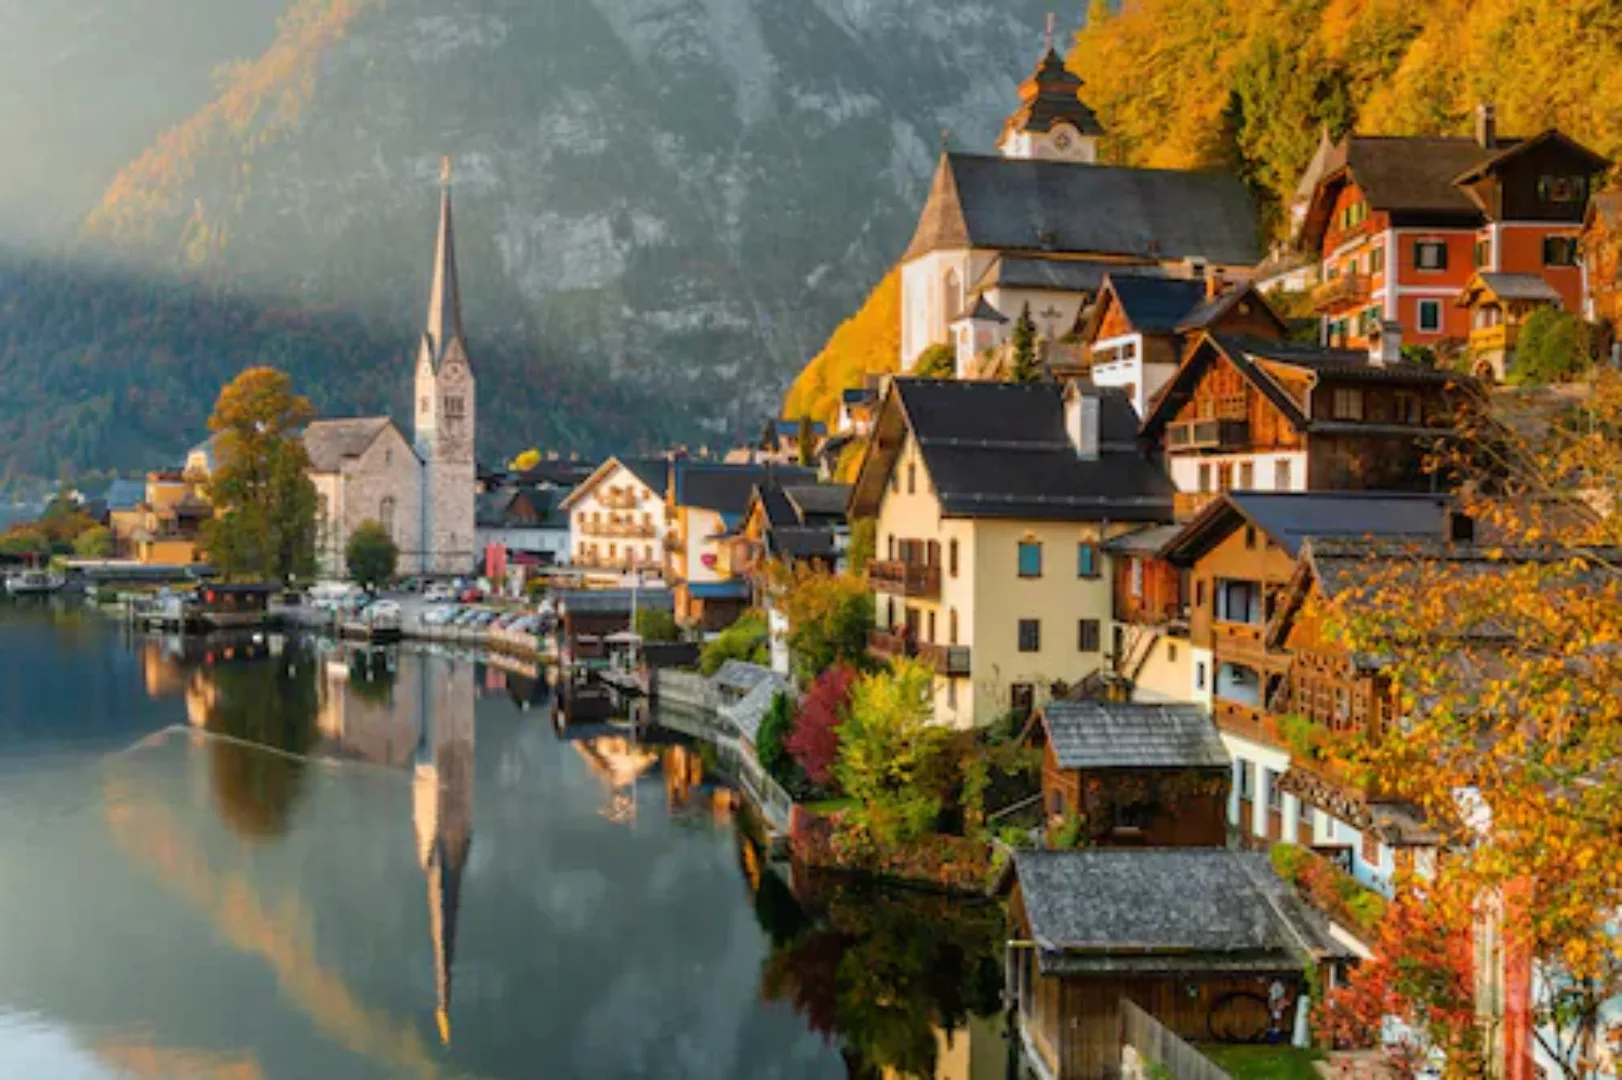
{"x": 439, "y": 594}
{"x": 471, "y": 596}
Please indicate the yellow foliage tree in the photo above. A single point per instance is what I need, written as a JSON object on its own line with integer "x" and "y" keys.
{"x": 868, "y": 343}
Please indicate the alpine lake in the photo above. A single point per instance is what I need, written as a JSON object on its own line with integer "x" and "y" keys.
{"x": 267, "y": 857}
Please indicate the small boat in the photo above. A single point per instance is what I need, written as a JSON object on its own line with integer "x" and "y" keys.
{"x": 34, "y": 583}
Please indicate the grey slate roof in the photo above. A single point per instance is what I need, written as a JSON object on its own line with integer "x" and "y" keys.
{"x": 1188, "y": 909}
{"x": 1144, "y": 541}
{"x": 653, "y": 472}
{"x": 740, "y": 676}
{"x": 725, "y": 489}
{"x": 1035, "y": 206}
{"x": 614, "y": 601}
{"x": 1290, "y": 518}
{"x": 818, "y": 500}
{"x": 1035, "y": 272}
{"x": 124, "y": 494}
{"x": 1520, "y": 287}
{"x": 1000, "y": 450}
{"x": 979, "y": 308}
{"x": 329, "y": 442}
{"x": 1409, "y": 173}
{"x": 1116, "y": 735}
{"x": 801, "y": 543}
{"x": 1156, "y": 305}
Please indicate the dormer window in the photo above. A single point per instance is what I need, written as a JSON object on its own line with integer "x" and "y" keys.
{"x": 1562, "y": 189}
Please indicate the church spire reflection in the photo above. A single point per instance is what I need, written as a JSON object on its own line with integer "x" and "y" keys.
{"x": 442, "y": 810}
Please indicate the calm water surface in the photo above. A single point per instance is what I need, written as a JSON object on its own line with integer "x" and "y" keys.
{"x": 240, "y": 860}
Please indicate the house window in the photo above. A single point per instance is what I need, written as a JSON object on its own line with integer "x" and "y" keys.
{"x": 895, "y": 481}
{"x": 912, "y": 478}
{"x": 1562, "y": 189}
{"x": 1559, "y": 251}
{"x": 1281, "y": 476}
{"x": 1408, "y": 410}
{"x": 385, "y": 516}
{"x": 951, "y": 693}
{"x": 1171, "y": 652}
{"x": 1430, "y": 316}
{"x": 1247, "y": 477}
{"x": 1205, "y": 477}
{"x": 1430, "y": 255}
{"x": 1377, "y": 261}
{"x": 1199, "y": 593}
{"x": 1030, "y": 559}
{"x": 1483, "y": 252}
{"x": 1250, "y": 537}
{"x": 951, "y": 626}
{"x": 455, "y": 407}
{"x": 1348, "y": 404}
{"x": 1030, "y": 635}
{"x": 1087, "y": 640}
{"x": 951, "y": 558}
{"x": 1225, "y": 476}
{"x": 1247, "y": 780}
{"x": 1275, "y": 794}
{"x": 1086, "y": 561}
{"x": 892, "y": 549}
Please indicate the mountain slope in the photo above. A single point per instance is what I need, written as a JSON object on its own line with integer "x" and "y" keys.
{"x": 680, "y": 196}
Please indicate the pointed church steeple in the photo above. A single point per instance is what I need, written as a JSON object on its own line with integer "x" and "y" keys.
{"x": 1052, "y": 122}
{"x": 445, "y": 296}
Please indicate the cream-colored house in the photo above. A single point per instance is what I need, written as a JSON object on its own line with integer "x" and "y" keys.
{"x": 618, "y": 521}
{"x": 994, "y": 502}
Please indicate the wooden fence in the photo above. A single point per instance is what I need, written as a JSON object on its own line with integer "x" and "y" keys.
{"x": 1155, "y": 1044}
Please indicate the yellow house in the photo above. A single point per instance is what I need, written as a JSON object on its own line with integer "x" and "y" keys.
{"x": 993, "y": 504}
{"x": 165, "y": 528}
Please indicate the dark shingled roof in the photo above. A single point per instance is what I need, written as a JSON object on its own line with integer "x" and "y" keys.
{"x": 1189, "y": 909}
{"x": 1112, "y": 735}
{"x": 819, "y": 500}
{"x": 1022, "y": 205}
{"x": 1052, "y": 95}
{"x": 329, "y": 442}
{"x": 1035, "y": 272}
{"x": 1000, "y": 450}
{"x": 1506, "y": 149}
{"x": 1410, "y": 173}
{"x": 798, "y": 542}
{"x": 726, "y": 489}
{"x": 979, "y": 308}
{"x": 654, "y": 472}
{"x": 1156, "y": 305}
{"x": 1519, "y": 287}
{"x": 125, "y": 494}
{"x": 614, "y": 601}
{"x": 1291, "y": 517}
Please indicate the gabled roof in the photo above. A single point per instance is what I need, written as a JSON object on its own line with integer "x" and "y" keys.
{"x": 654, "y": 473}
{"x": 1211, "y": 311}
{"x": 979, "y": 309}
{"x": 1514, "y": 148}
{"x": 725, "y": 489}
{"x": 1000, "y": 450}
{"x": 1114, "y": 735}
{"x": 818, "y": 500}
{"x": 330, "y": 442}
{"x": 1289, "y": 518}
{"x": 1051, "y": 206}
{"x": 1189, "y": 909}
{"x": 614, "y": 601}
{"x": 1153, "y": 305}
{"x": 1509, "y": 287}
{"x": 1050, "y": 96}
{"x": 1410, "y": 177}
{"x": 124, "y": 494}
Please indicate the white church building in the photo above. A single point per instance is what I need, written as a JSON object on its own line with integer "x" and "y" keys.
{"x": 1037, "y": 226}
{"x": 421, "y": 489}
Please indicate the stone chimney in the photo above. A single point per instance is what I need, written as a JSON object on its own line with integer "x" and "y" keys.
{"x": 1487, "y": 126}
{"x": 1385, "y": 343}
{"x": 1081, "y": 421}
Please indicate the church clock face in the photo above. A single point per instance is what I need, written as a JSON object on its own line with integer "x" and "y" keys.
{"x": 1062, "y": 140}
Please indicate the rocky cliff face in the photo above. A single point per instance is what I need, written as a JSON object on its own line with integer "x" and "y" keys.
{"x": 683, "y": 196}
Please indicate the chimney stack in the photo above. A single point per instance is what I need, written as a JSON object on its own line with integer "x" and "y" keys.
{"x": 1215, "y": 283}
{"x": 1081, "y": 421}
{"x": 1486, "y": 126}
{"x": 1385, "y": 343}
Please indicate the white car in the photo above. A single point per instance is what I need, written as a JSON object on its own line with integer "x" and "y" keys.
{"x": 438, "y": 594}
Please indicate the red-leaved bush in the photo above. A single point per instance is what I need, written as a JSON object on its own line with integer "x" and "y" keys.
{"x": 814, "y": 742}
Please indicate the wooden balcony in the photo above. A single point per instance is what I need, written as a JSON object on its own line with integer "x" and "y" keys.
{"x": 643, "y": 530}
{"x": 1187, "y": 504}
{"x": 619, "y": 499}
{"x": 1246, "y": 721}
{"x": 1348, "y": 290}
{"x": 1245, "y": 644}
{"x": 1208, "y": 435}
{"x": 950, "y": 660}
{"x": 1490, "y": 339}
{"x": 905, "y": 579}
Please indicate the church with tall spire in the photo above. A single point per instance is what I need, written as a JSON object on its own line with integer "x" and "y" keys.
{"x": 419, "y": 488}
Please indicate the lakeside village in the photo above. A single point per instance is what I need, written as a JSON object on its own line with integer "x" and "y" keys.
{"x": 1221, "y": 612}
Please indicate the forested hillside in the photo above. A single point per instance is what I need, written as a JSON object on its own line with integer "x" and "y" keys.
{"x": 1251, "y": 84}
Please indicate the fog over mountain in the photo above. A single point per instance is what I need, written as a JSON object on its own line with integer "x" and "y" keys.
{"x": 663, "y": 206}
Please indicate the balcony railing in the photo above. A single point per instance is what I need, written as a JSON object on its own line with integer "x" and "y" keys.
{"x": 905, "y": 579}
{"x": 1348, "y": 290}
{"x": 1247, "y": 721}
{"x": 1243, "y": 643}
{"x": 945, "y": 659}
{"x": 1208, "y": 435}
{"x": 604, "y": 562}
{"x": 644, "y": 530}
{"x": 616, "y": 499}
{"x": 1494, "y": 338}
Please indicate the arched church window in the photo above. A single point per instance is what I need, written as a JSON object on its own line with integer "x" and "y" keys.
{"x": 954, "y": 295}
{"x": 385, "y": 515}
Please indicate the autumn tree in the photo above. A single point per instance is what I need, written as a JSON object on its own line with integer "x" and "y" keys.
{"x": 657, "y": 625}
{"x": 371, "y": 555}
{"x": 864, "y": 544}
{"x": 264, "y": 504}
{"x": 1504, "y": 659}
{"x": 95, "y": 542}
{"x": 888, "y": 751}
{"x": 525, "y": 461}
{"x": 815, "y": 741}
{"x": 829, "y": 616}
{"x": 936, "y": 362}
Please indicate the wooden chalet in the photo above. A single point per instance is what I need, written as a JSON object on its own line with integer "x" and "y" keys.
{"x": 1135, "y": 775}
{"x": 1244, "y": 555}
{"x": 1244, "y": 414}
{"x": 1499, "y": 304}
{"x": 1140, "y": 327}
{"x": 796, "y": 524}
{"x": 1208, "y": 941}
{"x": 1601, "y": 252}
{"x": 1151, "y": 610}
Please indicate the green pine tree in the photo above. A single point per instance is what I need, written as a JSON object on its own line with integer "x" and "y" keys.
{"x": 1027, "y": 368}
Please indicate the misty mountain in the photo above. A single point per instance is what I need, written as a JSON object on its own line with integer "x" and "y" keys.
{"x": 666, "y": 201}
